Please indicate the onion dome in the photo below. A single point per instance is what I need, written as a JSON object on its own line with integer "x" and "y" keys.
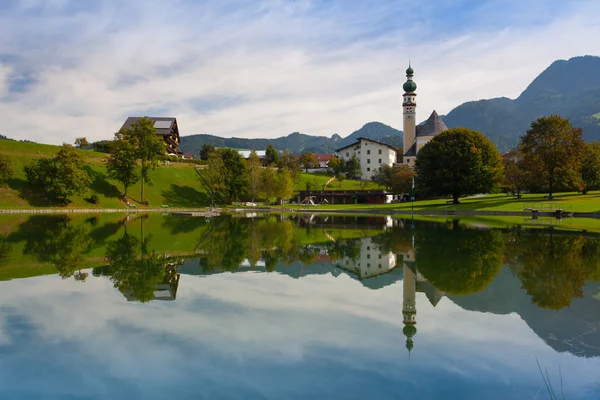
{"x": 410, "y": 71}
{"x": 409, "y": 331}
{"x": 409, "y": 86}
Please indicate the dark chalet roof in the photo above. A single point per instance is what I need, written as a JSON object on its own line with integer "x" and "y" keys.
{"x": 163, "y": 125}
{"x": 367, "y": 139}
{"x": 432, "y": 126}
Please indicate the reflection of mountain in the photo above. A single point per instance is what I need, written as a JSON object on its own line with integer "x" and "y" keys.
{"x": 575, "y": 329}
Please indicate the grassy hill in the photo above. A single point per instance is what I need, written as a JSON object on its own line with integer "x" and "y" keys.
{"x": 176, "y": 185}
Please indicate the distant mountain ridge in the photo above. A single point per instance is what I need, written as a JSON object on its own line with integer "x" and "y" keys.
{"x": 298, "y": 142}
{"x": 569, "y": 88}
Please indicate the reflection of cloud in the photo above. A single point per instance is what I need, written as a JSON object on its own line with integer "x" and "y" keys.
{"x": 267, "y": 68}
{"x": 258, "y": 334}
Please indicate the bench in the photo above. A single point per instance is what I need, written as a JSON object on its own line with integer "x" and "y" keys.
{"x": 165, "y": 206}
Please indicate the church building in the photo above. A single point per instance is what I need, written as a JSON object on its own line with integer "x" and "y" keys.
{"x": 416, "y": 136}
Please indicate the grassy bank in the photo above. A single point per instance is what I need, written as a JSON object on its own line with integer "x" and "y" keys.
{"x": 176, "y": 185}
{"x": 570, "y": 202}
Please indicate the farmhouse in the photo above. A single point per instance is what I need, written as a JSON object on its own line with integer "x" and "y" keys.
{"x": 371, "y": 155}
{"x": 166, "y": 128}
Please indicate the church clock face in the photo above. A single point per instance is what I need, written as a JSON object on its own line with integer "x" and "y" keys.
{"x": 409, "y": 116}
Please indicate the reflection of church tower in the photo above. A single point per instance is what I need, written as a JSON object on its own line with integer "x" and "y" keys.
{"x": 409, "y": 310}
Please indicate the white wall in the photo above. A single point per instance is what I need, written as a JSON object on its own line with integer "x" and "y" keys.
{"x": 368, "y": 154}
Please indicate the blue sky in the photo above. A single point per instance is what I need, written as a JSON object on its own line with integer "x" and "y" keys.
{"x": 266, "y": 68}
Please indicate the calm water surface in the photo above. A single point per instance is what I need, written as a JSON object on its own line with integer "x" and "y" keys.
{"x": 157, "y": 307}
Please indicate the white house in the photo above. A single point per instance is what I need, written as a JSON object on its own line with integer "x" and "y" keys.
{"x": 371, "y": 155}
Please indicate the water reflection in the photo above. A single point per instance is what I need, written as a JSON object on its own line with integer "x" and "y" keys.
{"x": 340, "y": 296}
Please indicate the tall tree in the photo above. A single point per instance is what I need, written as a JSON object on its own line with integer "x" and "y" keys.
{"x": 267, "y": 184}
{"x": 236, "y": 185}
{"x": 552, "y": 151}
{"x": 352, "y": 167}
{"x": 271, "y": 155}
{"x": 213, "y": 177}
{"x": 458, "y": 162}
{"x": 291, "y": 163}
{"x": 61, "y": 176}
{"x": 308, "y": 161}
{"x": 149, "y": 148}
{"x": 516, "y": 177}
{"x": 590, "y": 166}
{"x": 284, "y": 184}
{"x": 122, "y": 163}
{"x": 81, "y": 143}
{"x": 205, "y": 151}
{"x": 6, "y": 169}
{"x": 254, "y": 171}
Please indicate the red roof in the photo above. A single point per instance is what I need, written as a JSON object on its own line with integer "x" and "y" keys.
{"x": 324, "y": 157}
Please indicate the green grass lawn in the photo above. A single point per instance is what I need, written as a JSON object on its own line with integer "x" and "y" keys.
{"x": 570, "y": 201}
{"x": 317, "y": 180}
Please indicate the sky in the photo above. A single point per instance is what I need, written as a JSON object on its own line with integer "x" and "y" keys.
{"x": 267, "y": 68}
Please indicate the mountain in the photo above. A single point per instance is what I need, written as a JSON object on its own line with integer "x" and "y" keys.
{"x": 567, "y": 88}
{"x": 298, "y": 142}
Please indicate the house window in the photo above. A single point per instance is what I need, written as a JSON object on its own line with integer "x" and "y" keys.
{"x": 379, "y": 151}
{"x": 368, "y": 256}
{"x": 368, "y": 152}
{"x": 368, "y": 265}
{"x": 347, "y": 154}
{"x": 368, "y": 169}
{"x": 368, "y": 161}
{"x": 380, "y": 161}
{"x": 368, "y": 247}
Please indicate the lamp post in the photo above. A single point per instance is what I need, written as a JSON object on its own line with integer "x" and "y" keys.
{"x": 412, "y": 195}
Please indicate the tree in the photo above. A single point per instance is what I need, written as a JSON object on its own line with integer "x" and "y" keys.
{"x": 590, "y": 166}
{"x": 61, "y": 176}
{"x": 254, "y": 171}
{"x": 290, "y": 162}
{"x": 383, "y": 176}
{"x": 6, "y": 170}
{"x": 308, "y": 161}
{"x": 205, "y": 151}
{"x": 402, "y": 178}
{"x": 271, "y": 155}
{"x": 122, "y": 163}
{"x": 149, "y": 148}
{"x": 515, "y": 176}
{"x": 352, "y": 167}
{"x": 336, "y": 166}
{"x": 213, "y": 177}
{"x": 81, "y": 143}
{"x": 267, "y": 184}
{"x": 236, "y": 184}
{"x": 458, "y": 162}
{"x": 552, "y": 151}
{"x": 284, "y": 184}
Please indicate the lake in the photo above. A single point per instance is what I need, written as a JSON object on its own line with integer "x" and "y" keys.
{"x": 294, "y": 307}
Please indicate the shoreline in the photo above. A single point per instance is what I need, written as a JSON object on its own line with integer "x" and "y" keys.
{"x": 204, "y": 211}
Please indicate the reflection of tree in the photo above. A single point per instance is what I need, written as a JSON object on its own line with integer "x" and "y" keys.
{"x": 134, "y": 272}
{"x": 57, "y": 241}
{"x": 553, "y": 268}
{"x": 228, "y": 241}
{"x": 5, "y": 249}
{"x": 349, "y": 248}
{"x": 459, "y": 261}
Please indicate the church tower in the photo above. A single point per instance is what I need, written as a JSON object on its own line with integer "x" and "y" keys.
{"x": 409, "y": 106}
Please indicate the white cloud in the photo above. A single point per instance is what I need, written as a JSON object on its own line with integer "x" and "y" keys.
{"x": 270, "y": 68}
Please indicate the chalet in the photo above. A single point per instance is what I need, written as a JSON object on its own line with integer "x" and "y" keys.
{"x": 166, "y": 128}
{"x": 370, "y": 154}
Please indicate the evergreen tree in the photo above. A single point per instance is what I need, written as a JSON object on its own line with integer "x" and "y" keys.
{"x": 6, "y": 170}
{"x": 590, "y": 166}
{"x": 271, "y": 155}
